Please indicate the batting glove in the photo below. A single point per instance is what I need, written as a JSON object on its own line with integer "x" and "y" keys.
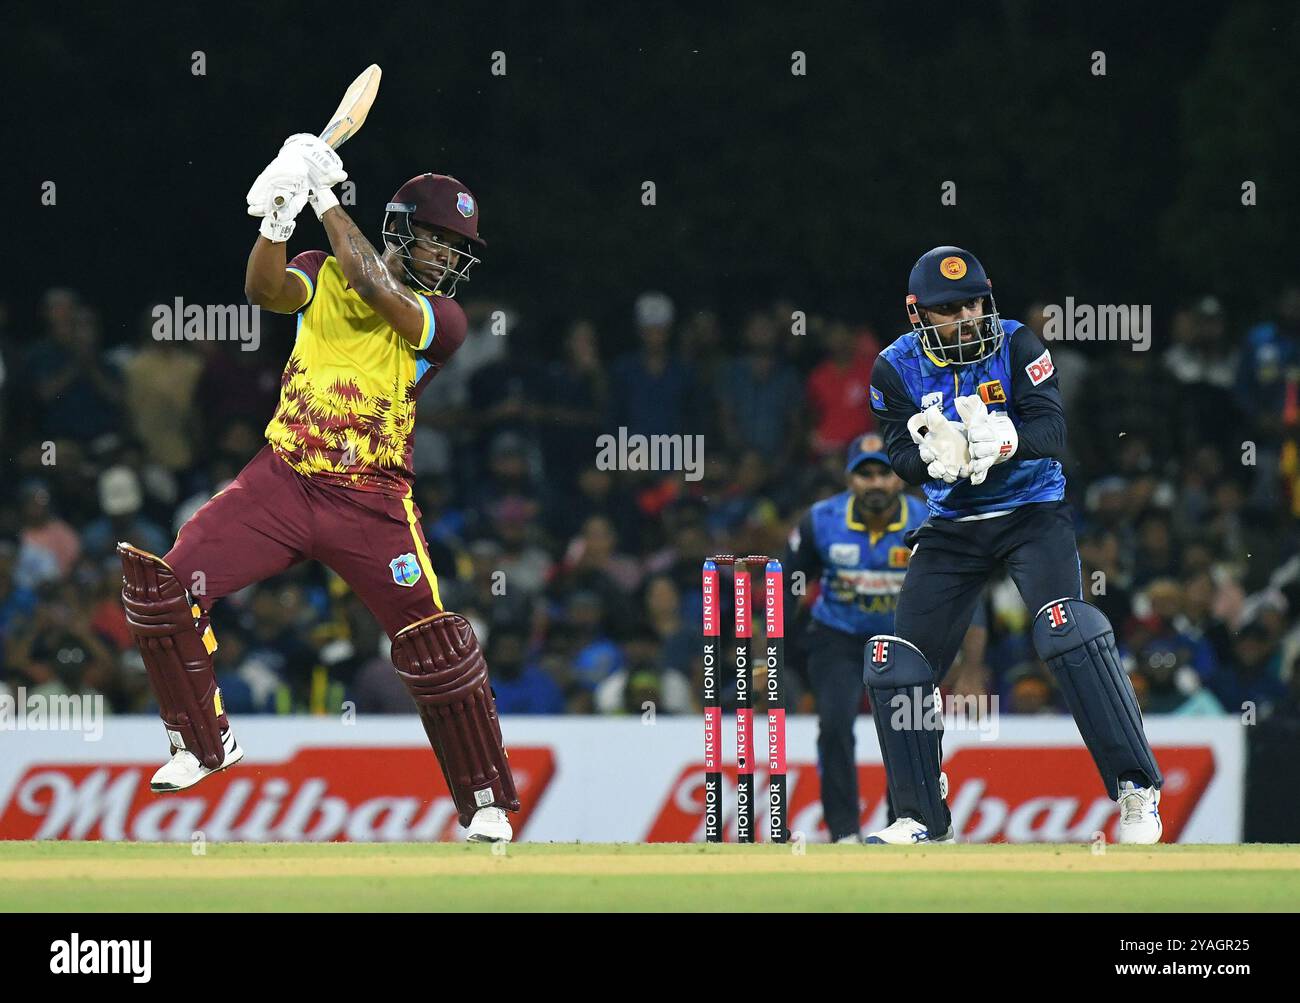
{"x": 278, "y": 195}
{"x": 324, "y": 169}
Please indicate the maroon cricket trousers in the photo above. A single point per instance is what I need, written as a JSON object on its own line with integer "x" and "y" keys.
{"x": 271, "y": 517}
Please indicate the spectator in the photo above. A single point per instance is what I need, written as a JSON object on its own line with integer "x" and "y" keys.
{"x": 525, "y": 565}
{"x": 1104, "y": 581}
{"x": 56, "y": 652}
{"x": 1166, "y": 684}
{"x": 160, "y": 380}
{"x": 837, "y": 390}
{"x": 663, "y": 612}
{"x": 577, "y": 404}
{"x": 119, "y": 499}
{"x": 1205, "y": 366}
{"x": 1251, "y": 678}
{"x": 1031, "y": 690}
{"x": 44, "y": 532}
{"x": 761, "y": 403}
{"x": 592, "y": 561}
{"x": 276, "y": 649}
{"x": 506, "y": 395}
{"x": 1156, "y": 555}
{"x": 235, "y": 388}
{"x": 521, "y": 686}
{"x": 643, "y": 685}
{"x": 651, "y": 391}
{"x": 1269, "y": 362}
{"x": 17, "y": 601}
{"x": 596, "y": 656}
{"x": 514, "y": 471}
{"x": 75, "y": 393}
{"x": 599, "y": 492}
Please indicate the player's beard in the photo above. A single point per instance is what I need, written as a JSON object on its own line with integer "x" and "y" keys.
{"x": 874, "y": 502}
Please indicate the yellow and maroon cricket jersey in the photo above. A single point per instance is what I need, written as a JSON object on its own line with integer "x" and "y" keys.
{"x": 347, "y": 398}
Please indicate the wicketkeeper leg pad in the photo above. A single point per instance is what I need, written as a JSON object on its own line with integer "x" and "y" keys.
{"x": 1077, "y": 642}
{"x": 440, "y": 662}
{"x": 177, "y": 657}
{"x": 909, "y": 723}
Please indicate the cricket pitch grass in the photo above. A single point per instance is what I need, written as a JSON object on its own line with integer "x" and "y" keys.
{"x": 537, "y": 877}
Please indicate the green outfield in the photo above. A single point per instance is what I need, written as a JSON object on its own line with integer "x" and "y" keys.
{"x": 89, "y": 877}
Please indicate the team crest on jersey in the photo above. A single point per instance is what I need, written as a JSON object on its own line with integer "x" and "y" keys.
{"x": 992, "y": 392}
{"x": 845, "y": 553}
{"x": 405, "y": 569}
{"x": 899, "y": 556}
{"x": 877, "y": 398}
{"x": 935, "y": 399}
{"x": 465, "y": 204}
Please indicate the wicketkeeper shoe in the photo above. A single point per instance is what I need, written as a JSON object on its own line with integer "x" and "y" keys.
{"x": 907, "y": 832}
{"x": 904, "y": 831}
{"x": 1139, "y": 814}
{"x": 184, "y": 769}
{"x": 490, "y": 825}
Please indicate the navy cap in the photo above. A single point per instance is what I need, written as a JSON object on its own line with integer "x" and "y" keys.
{"x": 868, "y": 446}
{"x": 945, "y": 275}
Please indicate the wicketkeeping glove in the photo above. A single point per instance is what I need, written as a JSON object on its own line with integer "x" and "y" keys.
{"x": 991, "y": 435}
{"x": 942, "y": 446}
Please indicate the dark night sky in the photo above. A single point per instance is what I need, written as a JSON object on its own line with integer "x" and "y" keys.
{"x": 821, "y": 188}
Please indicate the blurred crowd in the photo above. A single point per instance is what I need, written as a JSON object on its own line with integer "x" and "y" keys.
{"x": 582, "y": 582}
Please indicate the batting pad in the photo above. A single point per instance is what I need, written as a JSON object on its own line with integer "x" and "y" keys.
{"x": 440, "y": 662}
{"x": 909, "y": 724}
{"x": 178, "y": 660}
{"x": 1078, "y": 643}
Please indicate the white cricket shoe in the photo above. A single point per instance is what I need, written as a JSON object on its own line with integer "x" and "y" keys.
{"x": 184, "y": 769}
{"x": 490, "y": 825}
{"x": 1139, "y": 814}
{"x": 907, "y": 832}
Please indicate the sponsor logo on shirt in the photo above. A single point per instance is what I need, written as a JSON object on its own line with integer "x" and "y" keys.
{"x": 1041, "y": 368}
{"x": 845, "y": 553}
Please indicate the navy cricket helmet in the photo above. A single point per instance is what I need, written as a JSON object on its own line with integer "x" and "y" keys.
{"x": 942, "y": 281}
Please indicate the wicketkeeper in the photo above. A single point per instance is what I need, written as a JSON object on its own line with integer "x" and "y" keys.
{"x": 333, "y": 483}
{"x": 969, "y": 407}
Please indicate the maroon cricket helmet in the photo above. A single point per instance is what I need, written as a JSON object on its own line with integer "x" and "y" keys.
{"x": 434, "y": 200}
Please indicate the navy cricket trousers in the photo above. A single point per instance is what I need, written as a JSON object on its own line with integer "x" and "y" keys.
{"x": 952, "y": 562}
{"x": 835, "y": 671}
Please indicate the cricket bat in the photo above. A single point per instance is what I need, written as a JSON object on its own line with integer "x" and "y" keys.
{"x": 350, "y": 115}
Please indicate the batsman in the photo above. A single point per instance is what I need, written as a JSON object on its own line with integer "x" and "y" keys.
{"x": 969, "y": 407}
{"x": 334, "y": 481}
